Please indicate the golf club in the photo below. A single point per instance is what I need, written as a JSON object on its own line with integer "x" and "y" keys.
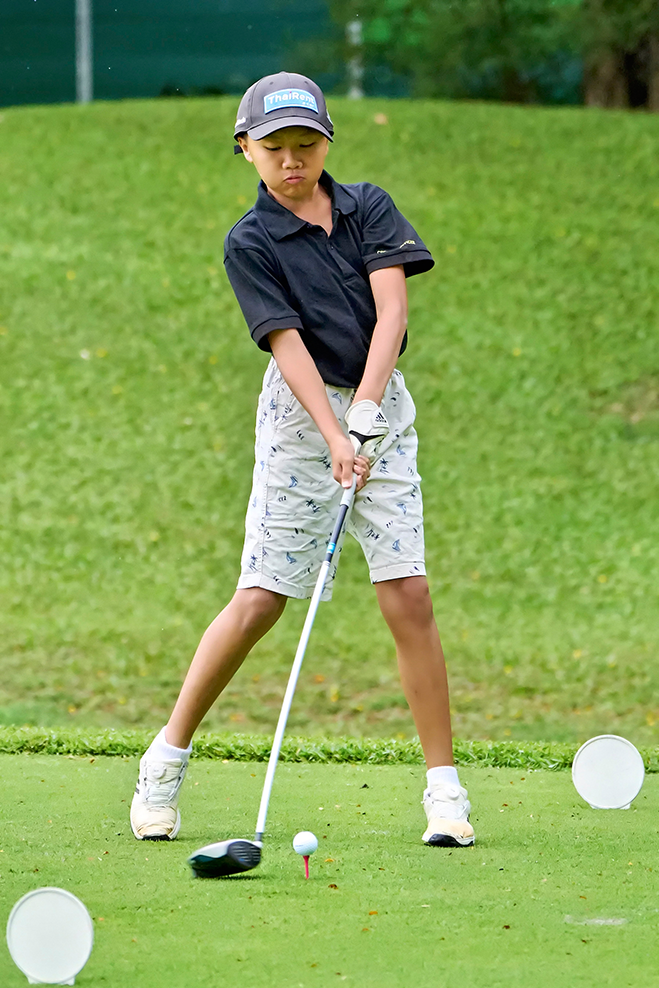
{"x": 232, "y": 857}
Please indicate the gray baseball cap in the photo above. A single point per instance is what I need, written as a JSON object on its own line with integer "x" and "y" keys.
{"x": 282, "y": 100}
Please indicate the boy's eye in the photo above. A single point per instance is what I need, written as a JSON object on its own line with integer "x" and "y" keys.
{"x": 312, "y": 144}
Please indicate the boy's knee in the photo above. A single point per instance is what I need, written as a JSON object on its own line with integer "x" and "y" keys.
{"x": 259, "y": 606}
{"x": 406, "y": 599}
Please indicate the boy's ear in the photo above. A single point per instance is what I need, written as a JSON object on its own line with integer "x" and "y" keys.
{"x": 243, "y": 143}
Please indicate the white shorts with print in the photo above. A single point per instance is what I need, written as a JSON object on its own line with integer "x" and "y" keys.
{"x": 295, "y": 499}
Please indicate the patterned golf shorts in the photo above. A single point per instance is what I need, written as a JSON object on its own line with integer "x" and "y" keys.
{"x": 295, "y": 499}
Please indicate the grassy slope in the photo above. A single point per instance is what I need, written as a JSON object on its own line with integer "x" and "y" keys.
{"x": 533, "y": 361}
{"x": 516, "y": 909}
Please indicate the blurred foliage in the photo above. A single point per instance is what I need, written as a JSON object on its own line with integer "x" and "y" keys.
{"x": 616, "y": 23}
{"x": 513, "y": 50}
{"x": 492, "y": 48}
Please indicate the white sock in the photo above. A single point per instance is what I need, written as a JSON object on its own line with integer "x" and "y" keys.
{"x": 160, "y": 748}
{"x": 445, "y": 774}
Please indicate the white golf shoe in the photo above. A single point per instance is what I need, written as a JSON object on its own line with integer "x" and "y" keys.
{"x": 154, "y": 813}
{"x": 447, "y": 809}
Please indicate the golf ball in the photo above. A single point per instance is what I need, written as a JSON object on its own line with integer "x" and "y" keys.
{"x": 305, "y": 842}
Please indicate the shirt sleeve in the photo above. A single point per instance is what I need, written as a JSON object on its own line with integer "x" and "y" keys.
{"x": 388, "y": 239}
{"x": 263, "y": 298}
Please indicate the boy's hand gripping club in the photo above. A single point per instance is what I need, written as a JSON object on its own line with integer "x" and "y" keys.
{"x": 366, "y": 424}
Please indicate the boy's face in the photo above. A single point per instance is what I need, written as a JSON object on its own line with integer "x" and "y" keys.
{"x": 290, "y": 161}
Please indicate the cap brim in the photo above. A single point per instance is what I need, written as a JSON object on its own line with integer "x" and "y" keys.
{"x": 270, "y": 126}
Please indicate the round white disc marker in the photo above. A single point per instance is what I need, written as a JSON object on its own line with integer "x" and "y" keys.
{"x": 50, "y": 936}
{"x": 608, "y": 772}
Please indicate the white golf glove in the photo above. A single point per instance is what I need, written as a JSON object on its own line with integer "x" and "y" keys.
{"x": 366, "y": 423}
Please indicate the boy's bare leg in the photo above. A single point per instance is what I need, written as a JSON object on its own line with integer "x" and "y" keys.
{"x": 154, "y": 813}
{"x": 221, "y": 651}
{"x": 407, "y": 608}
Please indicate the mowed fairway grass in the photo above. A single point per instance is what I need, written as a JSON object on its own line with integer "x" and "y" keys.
{"x": 553, "y": 892}
{"x": 128, "y": 388}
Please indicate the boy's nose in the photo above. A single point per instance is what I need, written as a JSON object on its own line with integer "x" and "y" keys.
{"x": 290, "y": 160}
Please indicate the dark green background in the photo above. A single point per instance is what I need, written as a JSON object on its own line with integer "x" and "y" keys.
{"x": 145, "y": 47}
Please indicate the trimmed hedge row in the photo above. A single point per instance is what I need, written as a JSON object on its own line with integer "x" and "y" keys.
{"x": 256, "y": 748}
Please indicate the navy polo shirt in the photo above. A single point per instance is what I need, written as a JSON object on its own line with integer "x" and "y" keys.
{"x": 288, "y": 274}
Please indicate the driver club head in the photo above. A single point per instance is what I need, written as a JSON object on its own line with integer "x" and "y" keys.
{"x": 227, "y": 857}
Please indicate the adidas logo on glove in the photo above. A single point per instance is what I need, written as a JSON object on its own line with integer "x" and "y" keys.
{"x": 366, "y": 422}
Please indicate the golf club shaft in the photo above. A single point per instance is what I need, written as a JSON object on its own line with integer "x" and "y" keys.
{"x": 346, "y": 502}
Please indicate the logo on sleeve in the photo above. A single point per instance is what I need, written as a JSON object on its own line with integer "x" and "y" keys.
{"x": 404, "y": 244}
{"x": 284, "y": 98}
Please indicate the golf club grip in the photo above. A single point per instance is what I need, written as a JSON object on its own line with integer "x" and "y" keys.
{"x": 346, "y": 502}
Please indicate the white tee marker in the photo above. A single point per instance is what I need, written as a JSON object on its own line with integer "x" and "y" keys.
{"x": 50, "y": 936}
{"x": 608, "y": 772}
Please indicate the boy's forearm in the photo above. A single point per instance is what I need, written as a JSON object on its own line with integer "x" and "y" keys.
{"x": 390, "y": 297}
{"x": 382, "y": 355}
{"x": 301, "y": 375}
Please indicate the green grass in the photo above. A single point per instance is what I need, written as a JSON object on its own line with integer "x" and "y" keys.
{"x": 552, "y": 893}
{"x": 128, "y": 386}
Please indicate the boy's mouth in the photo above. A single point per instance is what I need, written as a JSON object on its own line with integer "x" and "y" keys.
{"x": 294, "y": 179}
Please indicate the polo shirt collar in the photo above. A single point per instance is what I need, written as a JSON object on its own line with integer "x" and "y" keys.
{"x": 281, "y": 222}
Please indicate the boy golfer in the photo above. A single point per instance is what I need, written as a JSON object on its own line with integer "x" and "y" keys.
{"x": 319, "y": 271}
